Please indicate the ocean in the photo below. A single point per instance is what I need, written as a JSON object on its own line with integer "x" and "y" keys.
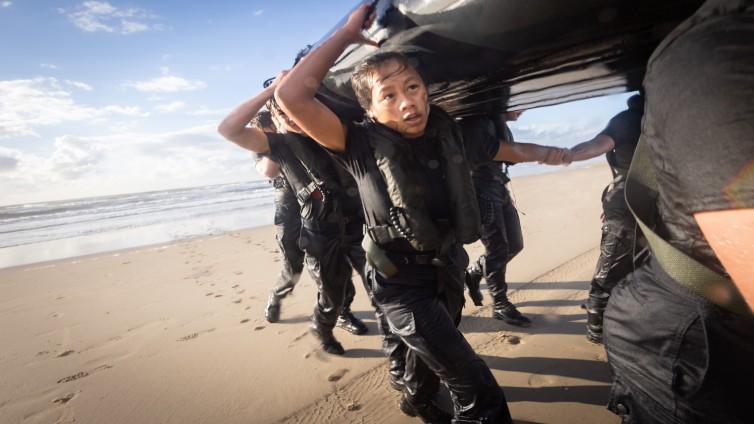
{"x": 38, "y": 232}
{"x": 46, "y": 231}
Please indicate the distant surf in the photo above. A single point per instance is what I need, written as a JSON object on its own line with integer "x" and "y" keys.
{"x": 46, "y": 231}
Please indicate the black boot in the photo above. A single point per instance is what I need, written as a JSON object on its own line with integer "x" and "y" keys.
{"x": 594, "y": 312}
{"x": 272, "y": 310}
{"x": 472, "y": 278}
{"x": 397, "y": 369}
{"x": 428, "y": 411}
{"x": 348, "y": 322}
{"x": 327, "y": 341}
{"x": 507, "y": 312}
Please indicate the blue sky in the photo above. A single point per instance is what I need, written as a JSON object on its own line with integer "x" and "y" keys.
{"x": 109, "y": 97}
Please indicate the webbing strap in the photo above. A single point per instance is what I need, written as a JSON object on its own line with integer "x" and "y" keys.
{"x": 641, "y": 192}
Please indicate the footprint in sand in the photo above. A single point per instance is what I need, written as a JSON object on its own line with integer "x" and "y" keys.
{"x": 194, "y": 335}
{"x": 62, "y": 354}
{"x": 543, "y": 380}
{"x": 261, "y": 327}
{"x": 83, "y": 374}
{"x": 66, "y": 398}
{"x": 514, "y": 340}
{"x": 337, "y": 375}
{"x": 244, "y": 321}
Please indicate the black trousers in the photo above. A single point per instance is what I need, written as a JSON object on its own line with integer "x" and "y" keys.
{"x": 675, "y": 357}
{"x": 288, "y": 223}
{"x": 330, "y": 269}
{"x": 423, "y": 304}
{"x": 502, "y": 239}
{"x": 616, "y": 252}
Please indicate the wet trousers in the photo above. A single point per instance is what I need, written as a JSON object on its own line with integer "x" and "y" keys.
{"x": 675, "y": 357}
{"x": 332, "y": 253}
{"x": 502, "y": 239}
{"x": 328, "y": 264}
{"x": 288, "y": 223}
{"x": 423, "y": 304}
{"x": 616, "y": 260}
{"x": 616, "y": 252}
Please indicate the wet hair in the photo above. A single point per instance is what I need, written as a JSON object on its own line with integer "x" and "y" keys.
{"x": 272, "y": 106}
{"x": 262, "y": 120}
{"x": 362, "y": 81}
{"x": 636, "y": 102}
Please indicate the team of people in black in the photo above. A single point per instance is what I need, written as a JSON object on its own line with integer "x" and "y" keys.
{"x": 394, "y": 198}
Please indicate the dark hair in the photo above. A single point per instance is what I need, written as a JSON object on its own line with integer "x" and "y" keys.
{"x": 272, "y": 106}
{"x": 361, "y": 79}
{"x": 262, "y": 120}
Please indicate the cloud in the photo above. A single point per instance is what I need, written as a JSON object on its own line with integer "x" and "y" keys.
{"x": 80, "y": 85}
{"x": 171, "y": 107}
{"x": 25, "y": 104}
{"x": 8, "y": 160}
{"x": 48, "y": 66}
{"x": 28, "y": 104}
{"x": 72, "y": 158}
{"x": 167, "y": 84}
{"x": 130, "y": 111}
{"x": 122, "y": 162}
{"x": 258, "y": 12}
{"x": 6, "y": 4}
{"x": 208, "y": 112}
{"x": 97, "y": 16}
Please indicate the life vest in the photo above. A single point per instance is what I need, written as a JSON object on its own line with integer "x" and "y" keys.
{"x": 409, "y": 215}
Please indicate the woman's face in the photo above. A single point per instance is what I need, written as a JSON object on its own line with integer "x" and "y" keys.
{"x": 399, "y": 99}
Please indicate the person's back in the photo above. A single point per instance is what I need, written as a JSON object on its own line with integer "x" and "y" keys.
{"x": 679, "y": 354}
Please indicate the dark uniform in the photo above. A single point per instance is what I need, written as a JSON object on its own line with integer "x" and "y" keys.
{"x": 501, "y": 228}
{"x": 331, "y": 227}
{"x": 677, "y": 357}
{"x": 288, "y": 223}
{"x": 618, "y": 230}
{"x": 423, "y": 300}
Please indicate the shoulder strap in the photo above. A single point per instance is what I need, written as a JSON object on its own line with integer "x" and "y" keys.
{"x": 641, "y": 192}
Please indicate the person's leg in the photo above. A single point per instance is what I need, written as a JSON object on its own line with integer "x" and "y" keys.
{"x": 510, "y": 241}
{"x": 330, "y": 271}
{"x": 513, "y": 232}
{"x": 346, "y": 319}
{"x": 392, "y": 345}
{"x": 492, "y": 264}
{"x": 425, "y": 317}
{"x": 614, "y": 263}
{"x": 288, "y": 223}
{"x": 476, "y": 271}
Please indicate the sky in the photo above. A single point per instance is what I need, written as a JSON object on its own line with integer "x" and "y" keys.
{"x": 110, "y": 97}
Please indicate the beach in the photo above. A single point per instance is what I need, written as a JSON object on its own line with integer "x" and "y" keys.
{"x": 175, "y": 332}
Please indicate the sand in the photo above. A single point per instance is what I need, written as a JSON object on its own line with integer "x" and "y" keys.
{"x": 176, "y": 333}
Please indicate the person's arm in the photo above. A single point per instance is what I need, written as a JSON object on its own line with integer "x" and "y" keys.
{"x": 599, "y": 145}
{"x": 233, "y": 127}
{"x": 529, "y": 152}
{"x": 268, "y": 168}
{"x": 295, "y": 95}
{"x": 730, "y": 233}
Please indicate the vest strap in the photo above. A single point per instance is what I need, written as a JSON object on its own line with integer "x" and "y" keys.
{"x": 641, "y": 192}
